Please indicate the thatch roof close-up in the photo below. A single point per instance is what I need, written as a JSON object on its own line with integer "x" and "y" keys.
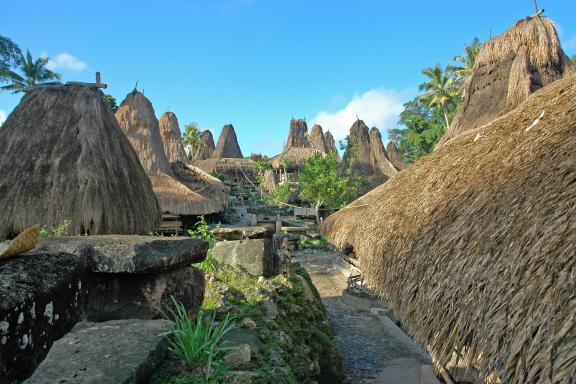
{"x": 270, "y": 183}
{"x": 137, "y": 119}
{"x": 204, "y": 184}
{"x": 227, "y": 146}
{"x": 64, "y": 157}
{"x": 317, "y": 139}
{"x": 295, "y": 157}
{"x": 206, "y": 148}
{"x": 474, "y": 246}
{"x": 171, "y": 137}
{"x": 508, "y": 69}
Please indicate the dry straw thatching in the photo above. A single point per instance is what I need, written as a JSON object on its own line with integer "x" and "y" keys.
{"x": 297, "y": 135}
{"x": 226, "y": 165}
{"x": 296, "y": 157}
{"x": 378, "y": 157}
{"x": 474, "y": 245}
{"x": 331, "y": 144}
{"x": 212, "y": 189}
{"x": 317, "y": 139}
{"x": 171, "y": 137}
{"x": 394, "y": 156}
{"x": 227, "y": 146}
{"x": 508, "y": 69}
{"x": 137, "y": 119}
{"x": 269, "y": 183}
{"x": 204, "y": 150}
{"x": 64, "y": 157}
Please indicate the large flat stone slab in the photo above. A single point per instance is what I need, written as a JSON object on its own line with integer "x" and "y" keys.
{"x": 143, "y": 296}
{"x": 254, "y": 256}
{"x": 242, "y": 233}
{"x": 130, "y": 254}
{"x": 41, "y": 298}
{"x": 114, "y": 352}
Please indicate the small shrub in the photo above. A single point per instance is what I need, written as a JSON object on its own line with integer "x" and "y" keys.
{"x": 220, "y": 176}
{"x": 60, "y": 230}
{"x": 202, "y": 232}
{"x": 197, "y": 342}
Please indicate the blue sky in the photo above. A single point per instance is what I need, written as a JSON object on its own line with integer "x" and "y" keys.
{"x": 258, "y": 63}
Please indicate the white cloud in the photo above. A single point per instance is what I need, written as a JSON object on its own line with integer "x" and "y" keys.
{"x": 379, "y": 108}
{"x": 65, "y": 60}
{"x": 2, "y": 117}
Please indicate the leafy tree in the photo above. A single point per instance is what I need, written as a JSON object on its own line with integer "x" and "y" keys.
{"x": 463, "y": 72}
{"x": 10, "y": 54}
{"x": 111, "y": 101}
{"x": 322, "y": 183}
{"x": 33, "y": 73}
{"x": 574, "y": 59}
{"x": 440, "y": 89}
{"x": 191, "y": 138}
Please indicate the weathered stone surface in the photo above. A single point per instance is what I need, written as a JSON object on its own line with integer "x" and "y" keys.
{"x": 240, "y": 336}
{"x": 130, "y": 254}
{"x": 119, "y": 351}
{"x": 239, "y": 355}
{"x": 41, "y": 298}
{"x": 242, "y": 233}
{"x": 253, "y": 256}
{"x": 142, "y": 296}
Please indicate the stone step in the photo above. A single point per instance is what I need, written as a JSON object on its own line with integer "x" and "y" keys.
{"x": 118, "y": 351}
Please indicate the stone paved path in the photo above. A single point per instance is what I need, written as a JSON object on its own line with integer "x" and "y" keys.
{"x": 371, "y": 352}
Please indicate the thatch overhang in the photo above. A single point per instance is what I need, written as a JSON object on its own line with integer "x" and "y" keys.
{"x": 204, "y": 184}
{"x": 64, "y": 157}
{"x": 474, "y": 245}
{"x": 508, "y": 69}
{"x": 227, "y": 165}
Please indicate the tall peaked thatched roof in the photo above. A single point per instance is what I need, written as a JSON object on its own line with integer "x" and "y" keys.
{"x": 64, "y": 157}
{"x": 227, "y": 146}
{"x": 171, "y": 137}
{"x": 379, "y": 157}
{"x": 298, "y": 135}
{"x": 394, "y": 156}
{"x": 205, "y": 150}
{"x": 361, "y": 138}
{"x": 137, "y": 119}
{"x": 317, "y": 139}
{"x": 473, "y": 246}
{"x": 508, "y": 69}
{"x": 331, "y": 144}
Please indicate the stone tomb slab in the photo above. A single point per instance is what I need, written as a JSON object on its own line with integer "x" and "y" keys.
{"x": 114, "y": 352}
{"x": 130, "y": 254}
{"x": 242, "y": 233}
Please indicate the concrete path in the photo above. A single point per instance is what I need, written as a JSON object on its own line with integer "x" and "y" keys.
{"x": 373, "y": 348}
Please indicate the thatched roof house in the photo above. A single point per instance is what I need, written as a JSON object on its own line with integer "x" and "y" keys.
{"x": 317, "y": 139}
{"x": 378, "y": 156}
{"x": 331, "y": 144}
{"x": 209, "y": 187}
{"x": 508, "y": 69}
{"x": 394, "y": 156}
{"x": 171, "y": 137}
{"x": 297, "y": 135}
{"x": 205, "y": 150}
{"x": 64, "y": 157}
{"x": 138, "y": 121}
{"x": 226, "y": 165}
{"x": 474, "y": 245}
{"x": 295, "y": 156}
{"x": 227, "y": 147}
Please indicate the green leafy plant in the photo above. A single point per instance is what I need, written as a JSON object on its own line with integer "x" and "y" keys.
{"x": 220, "y": 176}
{"x": 60, "y": 230}
{"x": 202, "y": 231}
{"x": 197, "y": 342}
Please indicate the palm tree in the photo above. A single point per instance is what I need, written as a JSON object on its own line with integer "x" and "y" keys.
{"x": 34, "y": 73}
{"x": 463, "y": 72}
{"x": 191, "y": 138}
{"x": 440, "y": 89}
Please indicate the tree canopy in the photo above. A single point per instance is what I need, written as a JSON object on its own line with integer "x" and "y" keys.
{"x": 191, "y": 138}
{"x": 32, "y": 73}
{"x": 10, "y": 55}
